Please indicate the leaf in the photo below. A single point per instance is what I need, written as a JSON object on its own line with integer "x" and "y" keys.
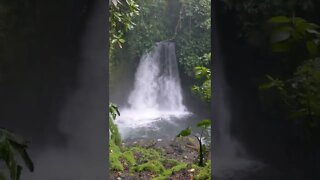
{"x": 279, "y": 36}
{"x": 312, "y": 31}
{"x": 21, "y": 149}
{"x": 113, "y": 41}
{"x": 204, "y": 123}
{"x": 122, "y": 40}
{"x": 279, "y": 19}
{"x": 13, "y": 137}
{"x": 185, "y": 132}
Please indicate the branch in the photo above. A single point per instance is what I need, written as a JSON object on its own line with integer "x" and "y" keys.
{"x": 178, "y": 23}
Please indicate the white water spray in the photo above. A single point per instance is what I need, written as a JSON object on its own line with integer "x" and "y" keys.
{"x": 230, "y": 158}
{"x": 157, "y": 93}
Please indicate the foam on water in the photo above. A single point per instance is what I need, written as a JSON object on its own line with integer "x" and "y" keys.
{"x": 157, "y": 93}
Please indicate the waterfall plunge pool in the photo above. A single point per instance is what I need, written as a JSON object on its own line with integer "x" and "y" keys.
{"x": 155, "y": 104}
{"x": 152, "y": 124}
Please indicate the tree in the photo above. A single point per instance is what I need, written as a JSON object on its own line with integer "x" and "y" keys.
{"x": 204, "y": 125}
{"x": 121, "y": 17}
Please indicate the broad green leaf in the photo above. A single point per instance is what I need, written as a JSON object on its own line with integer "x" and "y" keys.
{"x": 122, "y": 40}
{"x": 185, "y": 132}
{"x": 204, "y": 123}
{"x": 279, "y": 36}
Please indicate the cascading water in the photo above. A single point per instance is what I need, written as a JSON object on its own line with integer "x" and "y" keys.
{"x": 157, "y": 83}
{"x": 157, "y": 93}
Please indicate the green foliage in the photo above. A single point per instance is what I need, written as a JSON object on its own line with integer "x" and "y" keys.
{"x": 204, "y": 173}
{"x": 167, "y": 173}
{"x": 301, "y": 92}
{"x": 122, "y": 13}
{"x": 113, "y": 111}
{"x": 185, "y": 132}
{"x": 194, "y": 34}
{"x": 151, "y": 26}
{"x": 204, "y": 125}
{"x": 273, "y": 82}
{"x": 114, "y": 134}
{"x": 128, "y": 156}
{"x": 146, "y": 154}
{"x": 252, "y": 14}
{"x": 292, "y": 34}
{"x": 114, "y": 157}
{"x": 204, "y": 89}
{"x": 298, "y": 39}
{"x": 152, "y": 166}
{"x": 10, "y": 144}
{"x": 186, "y": 22}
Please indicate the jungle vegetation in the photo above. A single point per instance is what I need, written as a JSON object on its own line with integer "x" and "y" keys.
{"x": 135, "y": 27}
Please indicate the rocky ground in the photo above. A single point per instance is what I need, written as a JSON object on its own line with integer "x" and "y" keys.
{"x": 181, "y": 149}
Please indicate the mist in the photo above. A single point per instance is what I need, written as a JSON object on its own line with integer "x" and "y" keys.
{"x": 82, "y": 118}
{"x": 231, "y": 161}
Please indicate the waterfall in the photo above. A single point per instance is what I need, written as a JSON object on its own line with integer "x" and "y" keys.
{"x": 157, "y": 83}
{"x": 157, "y": 93}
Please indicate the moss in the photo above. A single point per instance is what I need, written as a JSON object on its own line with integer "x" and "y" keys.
{"x": 128, "y": 156}
{"x": 204, "y": 172}
{"x": 152, "y": 166}
{"x": 169, "y": 162}
{"x": 178, "y": 167}
{"x": 142, "y": 159}
{"x": 114, "y": 155}
{"x": 146, "y": 154}
{"x": 167, "y": 173}
{"x": 115, "y": 135}
{"x": 115, "y": 164}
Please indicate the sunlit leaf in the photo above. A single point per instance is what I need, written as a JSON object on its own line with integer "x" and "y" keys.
{"x": 204, "y": 123}
{"x": 185, "y": 132}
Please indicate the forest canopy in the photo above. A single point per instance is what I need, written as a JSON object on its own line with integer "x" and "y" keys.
{"x": 187, "y": 22}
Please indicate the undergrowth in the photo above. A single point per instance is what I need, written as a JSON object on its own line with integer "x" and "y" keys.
{"x": 135, "y": 160}
{"x": 139, "y": 159}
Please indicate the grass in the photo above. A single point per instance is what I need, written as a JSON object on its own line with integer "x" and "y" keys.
{"x": 138, "y": 159}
